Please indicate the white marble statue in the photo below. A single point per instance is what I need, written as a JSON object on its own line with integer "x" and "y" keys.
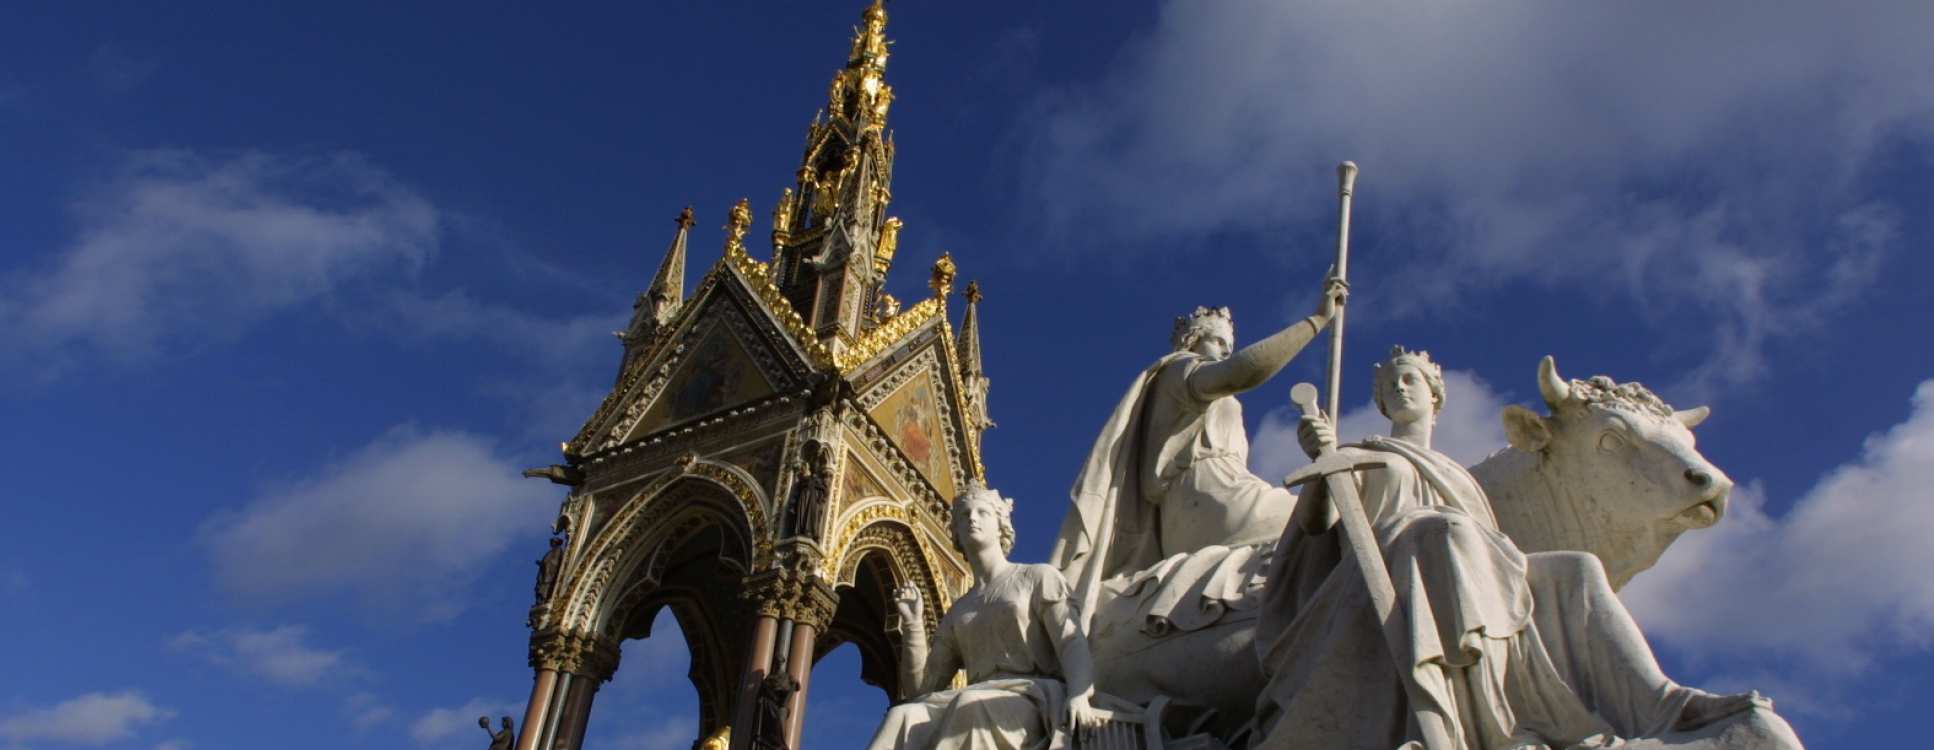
{"x": 1505, "y": 649}
{"x": 1169, "y": 473}
{"x": 1017, "y": 633}
{"x": 1612, "y": 471}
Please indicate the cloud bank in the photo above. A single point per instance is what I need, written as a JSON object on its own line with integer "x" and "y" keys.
{"x": 90, "y": 719}
{"x": 179, "y": 247}
{"x": 1842, "y": 574}
{"x": 1702, "y": 159}
{"x": 281, "y": 655}
{"x": 402, "y": 523}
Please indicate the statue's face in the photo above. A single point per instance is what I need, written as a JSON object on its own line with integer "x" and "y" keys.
{"x": 1216, "y": 342}
{"x": 1406, "y": 395}
{"x": 977, "y": 524}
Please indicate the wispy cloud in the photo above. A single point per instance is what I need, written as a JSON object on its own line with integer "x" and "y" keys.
{"x": 177, "y": 248}
{"x": 402, "y": 523}
{"x": 1707, "y": 162}
{"x": 281, "y": 655}
{"x": 439, "y": 724}
{"x": 1840, "y": 573}
{"x": 366, "y": 712}
{"x": 90, "y": 719}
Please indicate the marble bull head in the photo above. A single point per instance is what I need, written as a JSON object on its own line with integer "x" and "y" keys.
{"x": 1612, "y": 470}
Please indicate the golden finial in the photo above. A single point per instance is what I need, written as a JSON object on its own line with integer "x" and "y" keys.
{"x": 943, "y": 275}
{"x": 685, "y": 220}
{"x": 741, "y": 218}
{"x": 719, "y": 740}
{"x": 973, "y": 292}
{"x": 888, "y": 245}
{"x": 782, "y": 218}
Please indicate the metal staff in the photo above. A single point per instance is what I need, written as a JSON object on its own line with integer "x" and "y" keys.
{"x": 1346, "y": 186}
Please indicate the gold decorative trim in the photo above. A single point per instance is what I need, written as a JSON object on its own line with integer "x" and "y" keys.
{"x": 882, "y": 338}
{"x": 758, "y": 277}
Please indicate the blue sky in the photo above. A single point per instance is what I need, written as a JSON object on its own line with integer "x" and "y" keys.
{"x": 289, "y": 296}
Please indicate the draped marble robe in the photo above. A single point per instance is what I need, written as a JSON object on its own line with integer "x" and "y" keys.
{"x": 1000, "y": 633}
{"x": 1512, "y": 650}
{"x": 1167, "y": 450}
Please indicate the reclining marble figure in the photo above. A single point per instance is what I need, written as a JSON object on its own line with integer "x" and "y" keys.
{"x": 1017, "y": 633}
{"x": 1504, "y": 649}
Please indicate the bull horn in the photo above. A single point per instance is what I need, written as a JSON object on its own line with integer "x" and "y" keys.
{"x": 1556, "y": 391}
{"x": 1692, "y": 417}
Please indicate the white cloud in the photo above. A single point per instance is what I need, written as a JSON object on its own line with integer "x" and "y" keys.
{"x": 174, "y": 745}
{"x": 442, "y": 723}
{"x": 1835, "y": 583}
{"x": 179, "y": 247}
{"x": 1468, "y": 429}
{"x": 281, "y": 655}
{"x": 366, "y": 712}
{"x": 401, "y": 522}
{"x": 1694, "y": 158}
{"x": 91, "y": 719}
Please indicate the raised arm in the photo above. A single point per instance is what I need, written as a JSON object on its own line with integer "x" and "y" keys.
{"x": 1256, "y": 363}
{"x": 922, "y": 669}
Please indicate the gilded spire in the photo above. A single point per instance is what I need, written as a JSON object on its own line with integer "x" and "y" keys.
{"x": 967, "y": 345}
{"x": 660, "y": 302}
{"x": 669, "y": 284}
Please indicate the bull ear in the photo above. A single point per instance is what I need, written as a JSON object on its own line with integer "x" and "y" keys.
{"x": 1525, "y": 429}
{"x": 1692, "y": 417}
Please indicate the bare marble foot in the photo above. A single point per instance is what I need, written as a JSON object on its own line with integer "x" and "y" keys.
{"x": 1705, "y": 708}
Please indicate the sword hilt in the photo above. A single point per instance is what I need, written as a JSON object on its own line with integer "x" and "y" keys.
{"x": 1304, "y": 395}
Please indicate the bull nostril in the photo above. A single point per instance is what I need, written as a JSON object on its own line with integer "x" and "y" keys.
{"x": 1698, "y": 478}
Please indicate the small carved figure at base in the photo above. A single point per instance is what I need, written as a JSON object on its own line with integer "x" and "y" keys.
{"x": 769, "y": 722}
{"x": 499, "y": 740}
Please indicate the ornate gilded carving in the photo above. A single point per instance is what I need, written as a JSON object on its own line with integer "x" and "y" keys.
{"x": 889, "y": 242}
{"x": 789, "y": 593}
{"x": 640, "y": 528}
{"x": 883, "y": 337}
{"x": 736, "y": 224}
{"x": 782, "y": 220}
{"x": 758, "y": 277}
{"x": 576, "y": 653}
{"x": 942, "y": 282}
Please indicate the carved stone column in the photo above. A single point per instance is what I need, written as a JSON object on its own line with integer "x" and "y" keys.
{"x": 576, "y": 664}
{"x": 790, "y": 593}
{"x": 765, "y": 631}
{"x": 535, "y": 712}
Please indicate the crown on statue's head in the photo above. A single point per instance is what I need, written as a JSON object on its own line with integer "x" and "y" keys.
{"x": 1189, "y": 327}
{"x": 1433, "y": 374}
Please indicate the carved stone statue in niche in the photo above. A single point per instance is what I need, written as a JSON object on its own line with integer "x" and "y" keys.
{"x": 547, "y": 569}
{"x": 810, "y": 488}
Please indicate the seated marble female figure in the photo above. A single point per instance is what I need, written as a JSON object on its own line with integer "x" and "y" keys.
{"x": 1015, "y": 632}
{"x": 1505, "y": 649}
